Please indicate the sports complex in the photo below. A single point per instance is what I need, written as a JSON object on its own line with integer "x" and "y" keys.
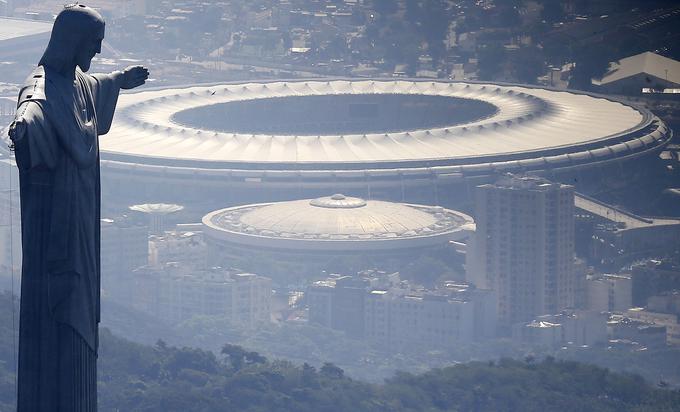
{"x": 404, "y": 140}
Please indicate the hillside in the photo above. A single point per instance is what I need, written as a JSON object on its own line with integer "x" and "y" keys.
{"x": 135, "y": 377}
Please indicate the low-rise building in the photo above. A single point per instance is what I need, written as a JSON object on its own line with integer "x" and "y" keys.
{"x": 570, "y": 327}
{"x": 124, "y": 247}
{"x": 538, "y": 333}
{"x": 665, "y": 302}
{"x": 633, "y": 74}
{"x": 187, "y": 247}
{"x": 401, "y": 315}
{"x": 620, "y": 327}
{"x": 666, "y": 320}
{"x": 609, "y": 293}
{"x": 177, "y": 293}
{"x": 428, "y": 319}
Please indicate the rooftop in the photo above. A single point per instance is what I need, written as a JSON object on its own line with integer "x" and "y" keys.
{"x": 648, "y": 63}
{"x": 334, "y": 221}
{"x": 530, "y": 127}
{"x": 11, "y": 28}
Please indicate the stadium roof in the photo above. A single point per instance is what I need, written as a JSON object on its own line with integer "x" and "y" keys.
{"x": 531, "y": 125}
{"x": 11, "y": 28}
{"x": 337, "y": 222}
{"x": 647, "y": 63}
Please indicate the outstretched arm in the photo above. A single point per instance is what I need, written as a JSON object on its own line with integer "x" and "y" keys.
{"x": 133, "y": 76}
{"x": 105, "y": 89}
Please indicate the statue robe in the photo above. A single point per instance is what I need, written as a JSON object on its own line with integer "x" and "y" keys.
{"x": 58, "y": 160}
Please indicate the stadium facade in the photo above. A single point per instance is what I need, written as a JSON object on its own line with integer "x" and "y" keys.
{"x": 404, "y": 140}
{"x": 330, "y": 233}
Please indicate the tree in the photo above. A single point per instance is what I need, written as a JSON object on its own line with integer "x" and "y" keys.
{"x": 235, "y": 354}
{"x": 491, "y": 59}
{"x": 589, "y": 63}
{"x": 329, "y": 370}
{"x": 239, "y": 357}
{"x": 434, "y": 26}
{"x": 527, "y": 64}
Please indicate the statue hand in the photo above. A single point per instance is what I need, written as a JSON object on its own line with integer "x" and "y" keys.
{"x": 17, "y": 129}
{"x": 134, "y": 76}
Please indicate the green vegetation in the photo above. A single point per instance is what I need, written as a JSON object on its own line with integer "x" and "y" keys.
{"x": 135, "y": 377}
{"x": 163, "y": 378}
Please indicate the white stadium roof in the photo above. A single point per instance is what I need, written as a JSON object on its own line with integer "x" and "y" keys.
{"x": 532, "y": 128}
{"x": 337, "y": 223}
{"x": 11, "y": 28}
{"x": 527, "y": 120}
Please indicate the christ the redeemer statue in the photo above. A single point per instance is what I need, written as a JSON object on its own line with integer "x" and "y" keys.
{"x": 61, "y": 112}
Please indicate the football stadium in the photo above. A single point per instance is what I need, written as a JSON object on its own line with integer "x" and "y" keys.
{"x": 393, "y": 139}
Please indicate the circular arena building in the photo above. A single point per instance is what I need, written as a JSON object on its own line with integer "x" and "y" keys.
{"x": 405, "y": 140}
{"x": 329, "y": 233}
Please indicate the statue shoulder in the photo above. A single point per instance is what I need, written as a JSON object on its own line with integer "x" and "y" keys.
{"x": 29, "y": 115}
{"x": 33, "y": 88}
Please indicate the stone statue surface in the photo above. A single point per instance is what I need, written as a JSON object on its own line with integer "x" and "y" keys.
{"x": 61, "y": 111}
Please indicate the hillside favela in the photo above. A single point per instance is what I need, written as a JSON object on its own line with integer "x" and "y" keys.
{"x": 339, "y": 205}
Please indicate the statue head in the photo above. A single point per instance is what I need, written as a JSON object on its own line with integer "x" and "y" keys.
{"x": 76, "y": 38}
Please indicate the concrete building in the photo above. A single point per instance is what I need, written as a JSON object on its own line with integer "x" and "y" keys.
{"x": 665, "y": 302}
{"x": 570, "y": 327}
{"x": 187, "y": 247}
{"x": 609, "y": 293}
{"x": 666, "y": 320}
{"x": 538, "y": 333}
{"x": 583, "y": 327}
{"x": 436, "y": 319}
{"x": 319, "y": 298}
{"x": 428, "y": 319}
{"x": 338, "y": 303}
{"x": 176, "y": 293}
{"x": 124, "y": 247}
{"x": 402, "y": 316}
{"x": 636, "y": 74}
{"x": 523, "y": 247}
{"x": 654, "y": 277}
{"x": 649, "y": 334}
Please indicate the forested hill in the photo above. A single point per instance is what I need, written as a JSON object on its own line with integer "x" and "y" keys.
{"x": 134, "y": 377}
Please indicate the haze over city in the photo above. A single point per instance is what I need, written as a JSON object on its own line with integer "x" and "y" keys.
{"x": 371, "y": 205}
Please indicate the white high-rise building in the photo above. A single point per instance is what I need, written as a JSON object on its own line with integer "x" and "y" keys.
{"x": 524, "y": 246}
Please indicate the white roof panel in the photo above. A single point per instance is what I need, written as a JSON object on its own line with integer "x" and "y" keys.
{"x": 528, "y": 123}
{"x": 14, "y": 28}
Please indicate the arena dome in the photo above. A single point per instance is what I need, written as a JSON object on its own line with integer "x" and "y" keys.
{"x": 337, "y": 223}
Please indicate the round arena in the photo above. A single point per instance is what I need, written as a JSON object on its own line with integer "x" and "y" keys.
{"x": 404, "y": 140}
{"x": 292, "y": 239}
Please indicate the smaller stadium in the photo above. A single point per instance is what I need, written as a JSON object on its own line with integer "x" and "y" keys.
{"x": 319, "y": 234}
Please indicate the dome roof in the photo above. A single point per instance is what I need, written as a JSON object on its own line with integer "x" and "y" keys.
{"x": 337, "y": 222}
{"x": 157, "y": 208}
